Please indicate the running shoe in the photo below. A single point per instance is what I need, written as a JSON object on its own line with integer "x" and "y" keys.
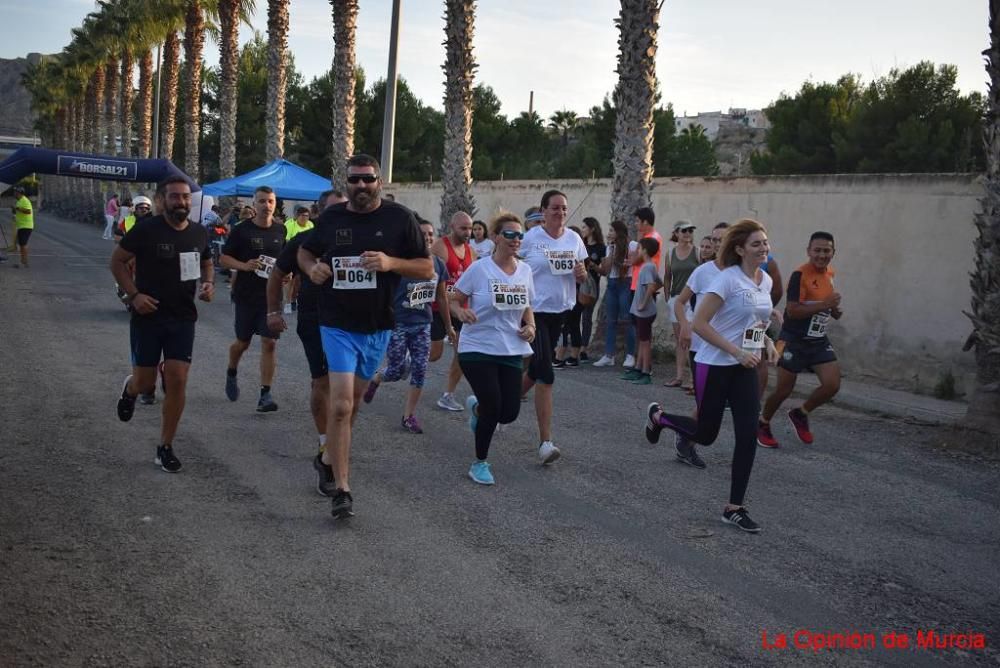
{"x": 631, "y": 374}
{"x": 801, "y": 423}
{"x": 266, "y": 404}
{"x": 643, "y": 379}
{"x": 370, "y": 392}
{"x": 558, "y": 364}
{"x": 166, "y": 459}
{"x": 548, "y": 453}
{"x": 147, "y": 399}
{"x": 126, "y": 403}
{"x": 480, "y": 473}
{"x": 324, "y": 483}
{"x": 653, "y": 427}
{"x": 605, "y": 361}
{"x": 571, "y": 362}
{"x": 342, "y": 505}
{"x": 686, "y": 452}
{"x": 741, "y": 520}
{"x": 765, "y": 438}
{"x": 449, "y": 403}
{"x": 471, "y": 403}
{"x": 232, "y": 389}
{"x": 629, "y": 361}
{"x": 584, "y": 357}
{"x": 412, "y": 425}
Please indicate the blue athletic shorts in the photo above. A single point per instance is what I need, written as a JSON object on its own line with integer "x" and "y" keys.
{"x": 351, "y": 352}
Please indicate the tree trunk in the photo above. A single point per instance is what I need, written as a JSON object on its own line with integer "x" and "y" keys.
{"x": 146, "y": 104}
{"x": 459, "y": 70}
{"x": 277, "y": 80}
{"x": 345, "y": 20}
{"x": 168, "y": 94}
{"x": 194, "y": 42}
{"x": 634, "y": 95}
{"x": 128, "y": 95}
{"x": 111, "y": 98}
{"x": 96, "y": 130}
{"x": 229, "y": 64}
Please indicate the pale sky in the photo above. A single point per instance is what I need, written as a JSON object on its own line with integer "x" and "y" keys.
{"x": 713, "y": 54}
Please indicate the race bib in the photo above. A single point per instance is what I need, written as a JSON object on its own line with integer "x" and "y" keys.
{"x": 509, "y": 296}
{"x": 421, "y": 294}
{"x": 190, "y": 265}
{"x": 561, "y": 262}
{"x": 449, "y": 287}
{"x": 817, "y": 325}
{"x": 753, "y": 338}
{"x": 265, "y": 271}
{"x": 349, "y": 274}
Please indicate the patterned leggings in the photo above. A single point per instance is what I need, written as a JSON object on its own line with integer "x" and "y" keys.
{"x": 417, "y": 340}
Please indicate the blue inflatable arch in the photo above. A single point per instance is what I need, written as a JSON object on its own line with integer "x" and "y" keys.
{"x": 26, "y": 161}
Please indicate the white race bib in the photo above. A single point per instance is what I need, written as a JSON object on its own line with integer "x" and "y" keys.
{"x": 265, "y": 271}
{"x": 190, "y": 265}
{"x": 509, "y": 296}
{"x": 817, "y": 325}
{"x": 349, "y": 274}
{"x": 753, "y": 338}
{"x": 421, "y": 294}
{"x": 561, "y": 262}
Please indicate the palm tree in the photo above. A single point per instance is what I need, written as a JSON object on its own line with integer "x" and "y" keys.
{"x": 169, "y": 84}
{"x": 277, "y": 81}
{"x": 111, "y": 97}
{"x": 564, "y": 122}
{"x": 345, "y": 21}
{"x": 128, "y": 96}
{"x": 634, "y": 97}
{"x": 194, "y": 43}
{"x": 459, "y": 71}
{"x": 229, "y": 66}
{"x": 984, "y": 402}
{"x": 146, "y": 103}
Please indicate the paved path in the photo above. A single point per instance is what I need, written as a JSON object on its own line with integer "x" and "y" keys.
{"x": 614, "y": 556}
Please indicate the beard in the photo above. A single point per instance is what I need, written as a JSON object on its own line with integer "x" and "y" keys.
{"x": 362, "y": 199}
{"x": 178, "y": 214}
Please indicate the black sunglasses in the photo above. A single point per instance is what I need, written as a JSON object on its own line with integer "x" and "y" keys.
{"x": 511, "y": 235}
{"x": 358, "y": 178}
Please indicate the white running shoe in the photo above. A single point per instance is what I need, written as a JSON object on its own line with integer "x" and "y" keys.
{"x": 548, "y": 453}
{"x": 605, "y": 361}
{"x": 449, "y": 403}
{"x": 629, "y": 361}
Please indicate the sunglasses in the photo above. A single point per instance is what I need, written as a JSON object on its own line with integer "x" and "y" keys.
{"x": 359, "y": 178}
{"x": 686, "y": 229}
{"x": 511, "y": 235}
{"x": 141, "y": 206}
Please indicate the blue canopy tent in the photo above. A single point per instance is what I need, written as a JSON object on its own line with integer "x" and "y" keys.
{"x": 26, "y": 161}
{"x": 288, "y": 180}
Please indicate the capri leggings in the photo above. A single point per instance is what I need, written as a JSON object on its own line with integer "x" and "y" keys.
{"x": 417, "y": 340}
{"x": 497, "y": 386}
{"x": 714, "y": 386}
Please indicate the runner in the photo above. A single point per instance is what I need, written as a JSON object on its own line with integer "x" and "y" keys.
{"x": 251, "y": 250}
{"x": 458, "y": 255}
{"x": 24, "y": 223}
{"x": 730, "y": 319}
{"x": 409, "y": 345}
{"x": 681, "y": 261}
{"x": 774, "y": 326}
{"x": 499, "y": 328}
{"x": 812, "y": 301}
{"x": 172, "y": 262}
{"x": 358, "y": 252}
{"x": 556, "y": 257}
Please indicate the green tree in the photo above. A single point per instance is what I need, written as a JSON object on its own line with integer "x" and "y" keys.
{"x": 692, "y": 153}
{"x": 490, "y": 134}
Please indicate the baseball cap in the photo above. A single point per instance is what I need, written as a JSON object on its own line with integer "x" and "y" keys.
{"x": 141, "y": 199}
{"x": 683, "y": 225}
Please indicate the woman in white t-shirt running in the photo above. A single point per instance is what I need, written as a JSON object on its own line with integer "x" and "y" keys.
{"x": 731, "y": 319}
{"x": 499, "y": 328}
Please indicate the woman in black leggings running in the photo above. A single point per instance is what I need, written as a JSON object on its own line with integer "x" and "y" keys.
{"x": 731, "y": 319}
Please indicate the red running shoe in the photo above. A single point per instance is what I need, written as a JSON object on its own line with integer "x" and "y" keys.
{"x": 765, "y": 438}
{"x": 801, "y": 423}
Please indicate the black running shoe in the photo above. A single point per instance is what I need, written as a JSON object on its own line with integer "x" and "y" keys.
{"x": 342, "y": 506}
{"x": 147, "y": 399}
{"x": 325, "y": 485}
{"x": 571, "y": 362}
{"x": 232, "y": 388}
{"x": 653, "y": 427}
{"x": 686, "y": 452}
{"x": 558, "y": 364}
{"x": 126, "y": 403}
{"x": 266, "y": 404}
{"x": 166, "y": 460}
{"x": 741, "y": 519}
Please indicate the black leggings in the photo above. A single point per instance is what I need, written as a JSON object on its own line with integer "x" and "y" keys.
{"x": 498, "y": 389}
{"x": 548, "y": 327}
{"x": 571, "y": 334}
{"x": 714, "y": 386}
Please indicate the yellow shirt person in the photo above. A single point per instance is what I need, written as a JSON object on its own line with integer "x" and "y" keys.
{"x": 299, "y": 224}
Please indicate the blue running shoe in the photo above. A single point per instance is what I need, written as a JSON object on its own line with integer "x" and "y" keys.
{"x": 232, "y": 389}
{"x": 471, "y": 404}
{"x": 480, "y": 473}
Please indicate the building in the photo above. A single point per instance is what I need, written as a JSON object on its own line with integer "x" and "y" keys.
{"x": 711, "y": 121}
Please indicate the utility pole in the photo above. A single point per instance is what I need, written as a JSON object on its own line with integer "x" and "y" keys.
{"x": 389, "y": 120}
{"x": 156, "y": 106}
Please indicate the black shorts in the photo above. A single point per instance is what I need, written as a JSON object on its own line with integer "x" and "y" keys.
{"x": 307, "y": 328}
{"x": 251, "y": 318}
{"x": 548, "y": 327}
{"x": 643, "y": 327}
{"x": 799, "y": 356}
{"x": 437, "y": 327}
{"x": 166, "y": 339}
{"x": 23, "y": 234}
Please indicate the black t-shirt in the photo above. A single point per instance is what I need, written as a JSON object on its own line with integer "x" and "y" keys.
{"x": 287, "y": 262}
{"x": 596, "y": 253}
{"x": 159, "y": 256}
{"x": 246, "y": 242}
{"x": 356, "y": 300}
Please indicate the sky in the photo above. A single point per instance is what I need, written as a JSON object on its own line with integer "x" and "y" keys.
{"x": 712, "y": 55}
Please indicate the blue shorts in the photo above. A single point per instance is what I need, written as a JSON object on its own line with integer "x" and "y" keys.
{"x": 351, "y": 352}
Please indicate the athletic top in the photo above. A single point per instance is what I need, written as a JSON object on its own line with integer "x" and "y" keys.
{"x": 698, "y": 282}
{"x": 647, "y": 274}
{"x": 483, "y": 248}
{"x": 412, "y": 302}
{"x": 680, "y": 270}
{"x": 808, "y": 285}
{"x": 24, "y": 221}
{"x": 552, "y": 261}
{"x": 356, "y": 300}
{"x": 746, "y": 308}
{"x": 167, "y": 266}
{"x": 498, "y": 300}
{"x": 292, "y": 228}
{"x": 246, "y": 242}
{"x": 128, "y": 223}
{"x": 287, "y": 262}
{"x": 656, "y": 258}
{"x": 456, "y": 265}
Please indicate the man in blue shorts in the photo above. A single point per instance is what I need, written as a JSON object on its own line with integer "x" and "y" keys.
{"x": 357, "y": 254}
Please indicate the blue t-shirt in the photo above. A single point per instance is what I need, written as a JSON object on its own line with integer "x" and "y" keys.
{"x": 412, "y": 301}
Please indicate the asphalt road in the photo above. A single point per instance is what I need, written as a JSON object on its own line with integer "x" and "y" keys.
{"x": 613, "y": 556}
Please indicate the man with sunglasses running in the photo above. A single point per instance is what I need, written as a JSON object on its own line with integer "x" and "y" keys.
{"x": 357, "y": 254}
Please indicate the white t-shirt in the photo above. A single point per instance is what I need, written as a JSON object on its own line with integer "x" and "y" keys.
{"x": 483, "y": 248}
{"x": 552, "y": 262}
{"x": 498, "y": 300}
{"x": 698, "y": 282}
{"x": 610, "y": 252}
{"x": 745, "y": 305}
